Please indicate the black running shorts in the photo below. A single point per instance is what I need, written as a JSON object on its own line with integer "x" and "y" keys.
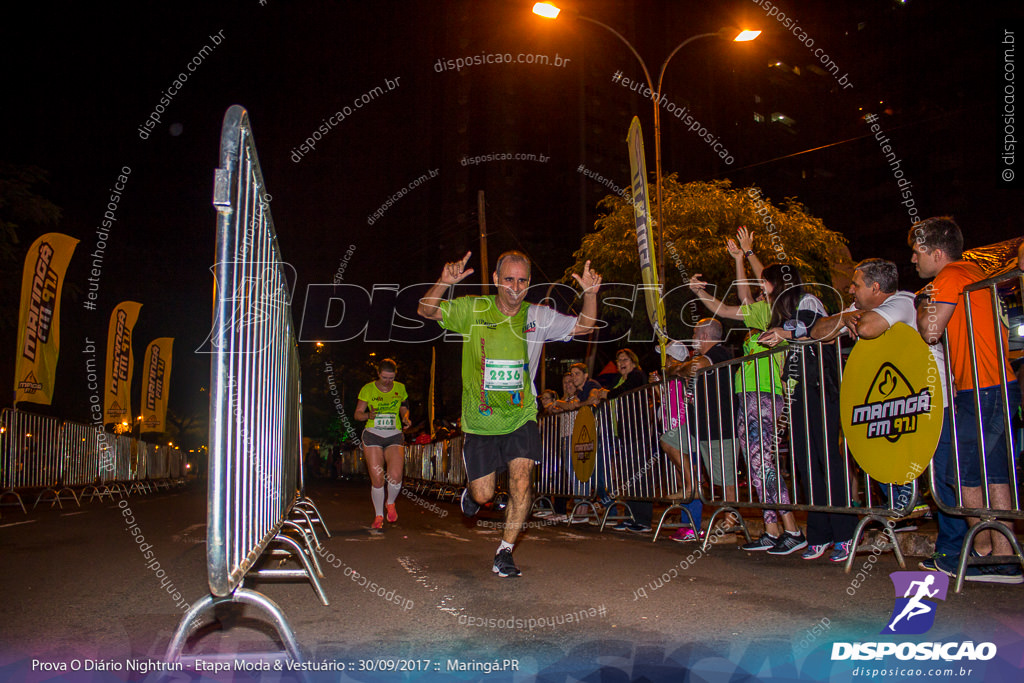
{"x": 485, "y": 454}
{"x": 371, "y": 439}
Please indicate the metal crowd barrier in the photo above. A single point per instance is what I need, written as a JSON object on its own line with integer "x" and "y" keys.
{"x": 631, "y": 465}
{"x": 555, "y": 475}
{"x": 434, "y": 468}
{"x": 63, "y": 460}
{"x": 351, "y": 462}
{"x": 255, "y": 485}
{"x": 783, "y": 475}
{"x": 33, "y": 455}
{"x": 81, "y": 445}
{"x": 1004, "y": 292}
{"x": 176, "y": 467}
{"x": 633, "y": 468}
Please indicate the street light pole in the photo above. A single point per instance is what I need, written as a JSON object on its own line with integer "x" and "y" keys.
{"x": 657, "y": 150}
{"x": 551, "y": 12}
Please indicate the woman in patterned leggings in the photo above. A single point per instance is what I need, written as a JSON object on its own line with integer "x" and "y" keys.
{"x": 761, "y": 402}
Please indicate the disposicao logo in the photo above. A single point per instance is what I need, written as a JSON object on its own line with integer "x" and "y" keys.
{"x": 914, "y": 613}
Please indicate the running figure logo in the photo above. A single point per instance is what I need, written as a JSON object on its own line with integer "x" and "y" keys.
{"x": 914, "y": 613}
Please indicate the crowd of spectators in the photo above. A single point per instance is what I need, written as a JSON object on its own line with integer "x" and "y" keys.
{"x": 785, "y": 398}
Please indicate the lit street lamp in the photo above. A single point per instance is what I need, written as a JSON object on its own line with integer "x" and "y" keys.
{"x": 549, "y": 11}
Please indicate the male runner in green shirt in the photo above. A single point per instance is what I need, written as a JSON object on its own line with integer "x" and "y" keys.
{"x": 502, "y": 338}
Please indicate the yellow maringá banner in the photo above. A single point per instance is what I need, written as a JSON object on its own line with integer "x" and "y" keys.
{"x": 35, "y": 368}
{"x": 891, "y": 405}
{"x": 644, "y": 240}
{"x": 120, "y": 364}
{"x": 156, "y": 384}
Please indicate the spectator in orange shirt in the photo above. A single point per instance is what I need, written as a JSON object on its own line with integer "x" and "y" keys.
{"x": 937, "y": 244}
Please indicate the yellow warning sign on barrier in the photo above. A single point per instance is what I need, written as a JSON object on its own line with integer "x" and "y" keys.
{"x": 584, "y": 444}
{"x": 891, "y": 403}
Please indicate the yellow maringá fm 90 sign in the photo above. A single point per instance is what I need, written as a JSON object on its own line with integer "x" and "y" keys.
{"x": 891, "y": 402}
{"x": 584, "y": 444}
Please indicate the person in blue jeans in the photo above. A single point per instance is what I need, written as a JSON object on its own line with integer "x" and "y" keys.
{"x": 979, "y": 370}
{"x": 952, "y": 528}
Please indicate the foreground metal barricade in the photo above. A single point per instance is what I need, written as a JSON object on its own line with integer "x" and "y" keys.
{"x": 255, "y": 440}
{"x": 1002, "y": 292}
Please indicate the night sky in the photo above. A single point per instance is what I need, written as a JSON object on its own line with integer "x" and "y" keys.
{"x": 80, "y": 79}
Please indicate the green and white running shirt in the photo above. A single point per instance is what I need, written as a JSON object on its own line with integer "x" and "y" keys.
{"x": 498, "y": 396}
{"x": 387, "y": 421}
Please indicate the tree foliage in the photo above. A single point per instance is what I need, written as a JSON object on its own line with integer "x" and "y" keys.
{"x": 699, "y": 218}
{"x": 21, "y": 207}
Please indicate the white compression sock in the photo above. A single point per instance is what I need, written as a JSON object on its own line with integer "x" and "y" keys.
{"x": 393, "y": 490}
{"x": 505, "y": 544}
{"x": 377, "y": 494}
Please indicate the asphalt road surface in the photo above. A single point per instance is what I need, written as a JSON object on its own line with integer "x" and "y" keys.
{"x": 418, "y": 601}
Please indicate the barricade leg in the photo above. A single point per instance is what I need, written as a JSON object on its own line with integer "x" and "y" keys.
{"x": 208, "y": 605}
{"x": 307, "y": 571}
{"x": 53, "y": 498}
{"x": 288, "y": 524}
{"x": 858, "y": 533}
{"x": 307, "y": 505}
{"x": 541, "y": 504}
{"x": 12, "y": 492}
{"x": 726, "y": 510}
{"x": 586, "y": 505}
{"x": 306, "y": 524}
{"x": 607, "y": 516}
{"x": 664, "y": 515}
{"x": 68, "y": 491}
{"x": 965, "y": 554}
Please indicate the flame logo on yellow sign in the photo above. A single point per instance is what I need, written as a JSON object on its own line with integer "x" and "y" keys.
{"x": 891, "y": 406}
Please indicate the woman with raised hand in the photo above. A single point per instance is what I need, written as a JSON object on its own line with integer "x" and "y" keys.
{"x": 822, "y": 468}
{"x": 762, "y": 401}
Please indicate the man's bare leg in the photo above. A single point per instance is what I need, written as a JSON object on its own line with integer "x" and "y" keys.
{"x": 482, "y": 490}
{"x": 999, "y": 496}
{"x": 520, "y": 472}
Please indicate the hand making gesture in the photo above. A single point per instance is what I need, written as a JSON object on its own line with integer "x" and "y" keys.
{"x": 455, "y": 271}
{"x": 590, "y": 281}
{"x": 696, "y": 284}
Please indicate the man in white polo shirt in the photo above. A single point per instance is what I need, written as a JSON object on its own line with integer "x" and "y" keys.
{"x": 877, "y": 305}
